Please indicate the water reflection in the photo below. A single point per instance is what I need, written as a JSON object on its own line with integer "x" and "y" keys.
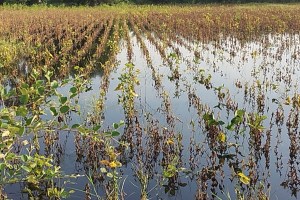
{"x": 189, "y": 95}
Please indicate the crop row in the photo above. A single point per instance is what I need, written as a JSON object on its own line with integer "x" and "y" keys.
{"x": 61, "y": 37}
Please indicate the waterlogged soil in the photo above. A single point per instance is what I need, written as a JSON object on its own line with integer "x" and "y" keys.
{"x": 171, "y": 137}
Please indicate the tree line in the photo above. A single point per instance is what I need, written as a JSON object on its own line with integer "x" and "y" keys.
{"x": 111, "y": 2}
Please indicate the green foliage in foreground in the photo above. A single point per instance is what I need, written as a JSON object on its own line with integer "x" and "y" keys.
{"x": 21, "y": 123}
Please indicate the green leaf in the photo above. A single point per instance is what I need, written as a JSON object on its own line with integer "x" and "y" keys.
{"x": 11, "y": 93}
{"x": 73, "y": 90}
{"x": 221, "y": 123}
{"x": 96, "y": 128}
{"x": 82, "y": 130}
{"x": 54, "y": 84}
{"x": 63, "y": 100}
{"x": 168, "y": 174}
{"x": 25, "y": 86}
{"x": 10, "y": 156}
{"x": 73, "y": 95}
{"x": 65, "y": 127}
{"x": 13, "y": 129}
{"x": 39, "y": 82}
{"x": 121, "y": 123}
{"x": 65, "y": 81}
{"x": 24, "y": 99}
{"x": 240, "y": 113}
{"x": 236, "y": 120}
{"x": 115, "y": 133}
{"x": 21, "y": 131}
{"x": 2, "y": 166}
{"x": 41, "y": 90}
{"x": 5, "y": 117}
{"x": 107, "y": 133}
{"x": 24, "y": 158}
{"x": 64, "y": 109}
{"x": 34, "y": 164}
{"x": 53, "y": 111}
{"x": 32, "y": 179}
{"x": 48, "y": 75}
{"x": 115, "y": 125}
{"x": 230, "y": 127}
{"x": 4, "y": 125}
{"x": 129, "y": 65}
{"x": 206, "y": 116}
{"x": 263, "y": 117}
{"x": 30, "y": 120}
{"x": 21, "y": 111}
{"x": 75, "y": 126}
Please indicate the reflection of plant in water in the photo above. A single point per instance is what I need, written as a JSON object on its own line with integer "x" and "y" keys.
{"x": 172, "y": 175}
{"x": 101, "y": 158}
{"x": 259, "y": 191}
{"x": 255, "y": 121}
{"x": 221, "y": 94}
{"x": 175, "y": 73}
{"x": 203, "y": 79}
{"x": 127, "y": 38}
{"x": 143, "y": 178}
{"x": 111, "y": 165}
{"x": 223, "y": 147}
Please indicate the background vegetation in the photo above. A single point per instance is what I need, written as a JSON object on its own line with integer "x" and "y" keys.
{"x": 97, "y": 2}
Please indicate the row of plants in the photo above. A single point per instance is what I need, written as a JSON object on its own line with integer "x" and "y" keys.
{"x": 59, "y": 37}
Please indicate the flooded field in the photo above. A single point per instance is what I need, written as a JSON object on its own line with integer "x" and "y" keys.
{"x": 150, "y": 102}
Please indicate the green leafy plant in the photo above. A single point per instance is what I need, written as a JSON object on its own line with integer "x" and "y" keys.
{"x": 21, "y": 117}
{"x": 128, "y": 81}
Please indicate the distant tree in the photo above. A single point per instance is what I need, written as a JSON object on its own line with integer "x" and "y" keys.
{"x": 31, "y": 2}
